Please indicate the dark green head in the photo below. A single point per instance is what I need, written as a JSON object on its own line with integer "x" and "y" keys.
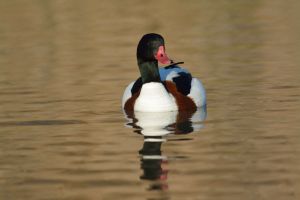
{"x": 150, "y": 51}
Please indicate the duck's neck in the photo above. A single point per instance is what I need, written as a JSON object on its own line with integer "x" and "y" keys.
{"x": 149, "y": 71}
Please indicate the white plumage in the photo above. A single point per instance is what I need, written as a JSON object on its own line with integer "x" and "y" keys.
{"x": 154, "y": 97}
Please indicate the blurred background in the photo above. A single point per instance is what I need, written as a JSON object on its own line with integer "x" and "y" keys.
{"x": 65, "y": 64}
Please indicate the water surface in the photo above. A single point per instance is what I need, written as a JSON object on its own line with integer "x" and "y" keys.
{"x": 64, "y": 66}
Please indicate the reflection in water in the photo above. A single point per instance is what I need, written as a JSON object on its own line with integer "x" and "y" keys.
{"x": 153, "y": 163}
{"x": 155, "y": 127}
{"x": 163, "y": 123}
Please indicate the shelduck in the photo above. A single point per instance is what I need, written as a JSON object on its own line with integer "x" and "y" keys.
{"x": 163, "y": 89}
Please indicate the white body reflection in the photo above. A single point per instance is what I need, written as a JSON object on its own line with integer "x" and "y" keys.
{"x": 163, "y": 123}
{"x": 155, "y": 124}
{"x": 155, "y": 127}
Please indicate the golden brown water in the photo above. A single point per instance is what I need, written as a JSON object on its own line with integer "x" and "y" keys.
{"x": 64, "y": 66}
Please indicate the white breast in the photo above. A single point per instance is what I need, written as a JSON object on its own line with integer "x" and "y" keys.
{"x": 154, "y": 98}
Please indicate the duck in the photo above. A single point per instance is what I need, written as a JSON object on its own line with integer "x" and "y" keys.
{"x": 161, "y": 89}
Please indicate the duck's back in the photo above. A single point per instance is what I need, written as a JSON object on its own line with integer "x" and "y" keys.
{"x": 185, "y": 83}
{"x": 180, "y": 77}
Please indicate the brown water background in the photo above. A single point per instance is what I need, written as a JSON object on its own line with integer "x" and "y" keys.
{"x": 64, "y": 66}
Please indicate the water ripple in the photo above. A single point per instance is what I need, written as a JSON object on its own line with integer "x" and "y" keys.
{"x": 76, "y": 184}
{"x": 41, "y": 123}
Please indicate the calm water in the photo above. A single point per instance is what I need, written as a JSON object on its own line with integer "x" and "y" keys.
{"x": 64, "y": 66}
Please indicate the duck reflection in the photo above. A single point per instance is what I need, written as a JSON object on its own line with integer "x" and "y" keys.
{"x": 155, "y": 127}
{"x": 164, "y": 123}
{"x": 153, "y": 163}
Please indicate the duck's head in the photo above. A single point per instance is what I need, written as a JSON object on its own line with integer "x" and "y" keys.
{"x": 150, "y": 51}
{"x": 152, "y": 48}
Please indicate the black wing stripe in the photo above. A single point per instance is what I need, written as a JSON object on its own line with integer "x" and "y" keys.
{"x": 136, "y": 86}
{"x": 183, "y": 82}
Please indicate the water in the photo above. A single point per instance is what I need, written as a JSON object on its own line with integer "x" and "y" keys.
{"x": 64, "y": 66}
